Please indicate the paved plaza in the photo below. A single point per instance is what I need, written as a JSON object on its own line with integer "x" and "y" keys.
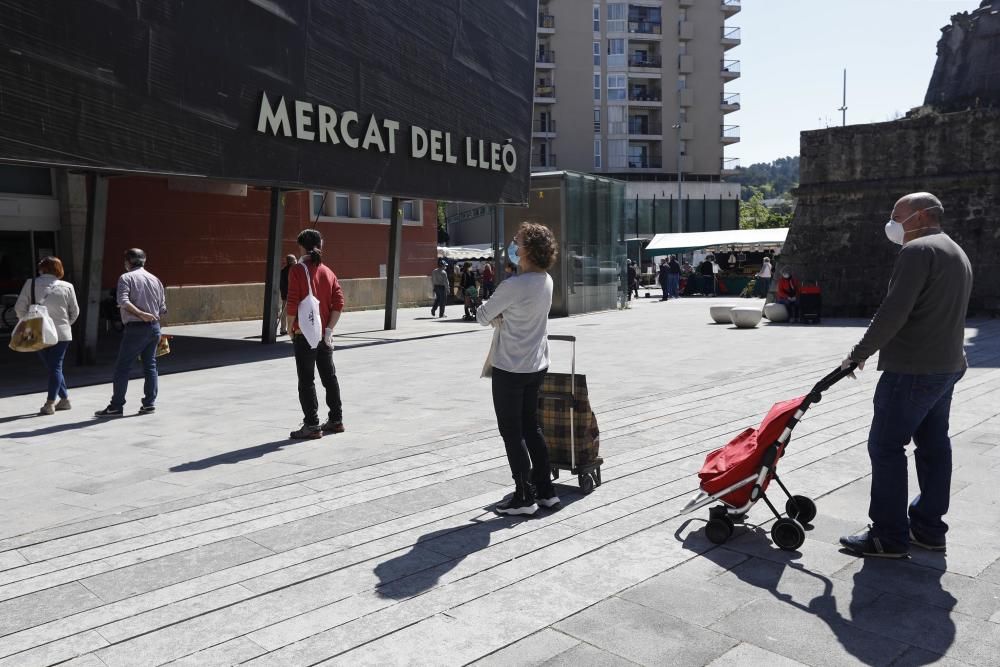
{"x": 200, "y": 535}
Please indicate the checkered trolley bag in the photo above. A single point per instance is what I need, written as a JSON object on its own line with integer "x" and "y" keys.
{"x": 569, "y": 424}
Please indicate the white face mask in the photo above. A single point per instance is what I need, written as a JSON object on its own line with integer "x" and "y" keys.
{"x": 895, "y": 232}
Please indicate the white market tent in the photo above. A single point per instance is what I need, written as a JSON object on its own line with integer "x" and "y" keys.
{"x": 733, "y": 238}
{"x": 466, "y": 253}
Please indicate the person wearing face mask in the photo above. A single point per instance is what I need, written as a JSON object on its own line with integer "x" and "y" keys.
{"x": 520, "y": 308}
{"x": 142, "y": 304}
{"x": 919, "y": 332}
{"x": 788, "y": 294}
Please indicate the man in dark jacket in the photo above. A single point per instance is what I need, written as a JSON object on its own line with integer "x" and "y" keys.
{"x": 633, "y": 280}
{"x": 663, "y": 278}
{"x": 919, "y": 332}
{"x": 707, "y": 271}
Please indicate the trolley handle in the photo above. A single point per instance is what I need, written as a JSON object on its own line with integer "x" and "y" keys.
{"x": 833, "y": 378}
{"x": 572, "y": 371}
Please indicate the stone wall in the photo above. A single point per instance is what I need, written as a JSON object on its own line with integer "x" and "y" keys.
{"x": 221, "y": 303}
{"x": 850, "y": 179}
{"x": 967, "y": 72}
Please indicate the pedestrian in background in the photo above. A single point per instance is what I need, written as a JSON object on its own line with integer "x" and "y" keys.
{"x": 919, "y": 332}
{"x": 283, "y": 288}
{"x": 707, "y": 271}
{"x": 488, "y": 280}
{"x": 143, "y": 304}
{"x": 787, "y": 293}
{"x": 317, "y": 278}
{"x": 662, "y": 278}
{"x": 520, "y": 308}
{"x": 440, "y": 284}
{"x": 470, "y": 290}
{"x": 764, "y": 278}
{"x": 59, "y": 299}
{"x": 673, "y": 277}
{"x": 633, "y": 280}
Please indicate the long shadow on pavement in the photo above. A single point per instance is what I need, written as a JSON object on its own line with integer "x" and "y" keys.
{"x": 236, "y": 456}
{"x": 884, "y": 593}
{"x": 437, "y": 553}
{"x": 59, "y": 428}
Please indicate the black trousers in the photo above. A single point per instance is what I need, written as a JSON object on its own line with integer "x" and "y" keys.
{"x": 440, "y": 299}
{"x": 307, "y": 361}
{"x": 515, "y": 400}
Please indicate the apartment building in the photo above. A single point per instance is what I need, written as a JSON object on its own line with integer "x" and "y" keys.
{"x": 638, "y": 91}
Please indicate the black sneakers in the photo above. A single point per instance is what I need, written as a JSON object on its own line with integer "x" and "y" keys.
{"x": 521, "y": 502}
{"x": 867, "y": 544}
{"x": 109, "y": 412}
{"x": 924, "y": 542}
{"x": 147, "y": 409}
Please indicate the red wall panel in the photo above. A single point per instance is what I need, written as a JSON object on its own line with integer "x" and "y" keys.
{"x": 194, "y": 238}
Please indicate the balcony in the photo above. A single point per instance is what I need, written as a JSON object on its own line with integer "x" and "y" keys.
{"x": 730, "y": 102}
{"x": 546, "y": 24}
{"x": 543, "y": 161}
{"x": 543, "y": 128}
{"x": 730, "y": 7}
{"x": 685, "y": 64}
{"x": 644, "y": 162}
{"x": 645, "y": 29}
{"x": 545, "y": 60}
{"x": 685, "y": 31}
{"x": 730, "y": 134}
{"x": 545, "y": 93}
{"x": 644, "y": 129}
{"x": 731, "y": 37}
{"x": 730, "y": 69}
{"x": 730, "y": 166}
{"x": 639, "y": 97}
{"x": 646, "y": 62}
{"x": 686, "y": 3}
{"x": 687, "y": 97}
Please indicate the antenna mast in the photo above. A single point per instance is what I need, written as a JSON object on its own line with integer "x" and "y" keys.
{"x": 843, "y": 107}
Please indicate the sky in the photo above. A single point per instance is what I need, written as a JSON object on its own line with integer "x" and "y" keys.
{"x": 793, "y": 54}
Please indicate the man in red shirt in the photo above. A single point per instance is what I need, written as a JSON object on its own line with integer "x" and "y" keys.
{"x": 326, "y": 289}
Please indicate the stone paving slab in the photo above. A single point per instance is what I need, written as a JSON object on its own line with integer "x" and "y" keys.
{"x": 200, "y": 536}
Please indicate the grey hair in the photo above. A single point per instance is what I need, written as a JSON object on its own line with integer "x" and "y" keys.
{"x": 925, "y": 201}
{"x": 135, "y": 257}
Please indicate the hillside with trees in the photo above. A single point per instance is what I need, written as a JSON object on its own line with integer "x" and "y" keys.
{"x": 774, "y": 180}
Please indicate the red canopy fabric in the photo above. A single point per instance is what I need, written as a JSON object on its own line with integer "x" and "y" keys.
{"x": 743, "y": 455}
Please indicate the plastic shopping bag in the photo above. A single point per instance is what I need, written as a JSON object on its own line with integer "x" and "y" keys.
{"x": 309, "y": 320}
{"x": 36, "y": 331}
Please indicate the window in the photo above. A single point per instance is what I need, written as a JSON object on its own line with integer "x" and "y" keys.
{"x": 616, "y": 153}
{"x": 597, "y": 18}
{"x": 682, "y": 81}
{"x": 597, "y": 54}
{"x": 342, "y": 206}
{"x": 365, "y": 207}
{"x": 597, "y": 87}
{"x": 597, "y": 153}
{"x": 617, "y": 13}
{"x": 616, "y": 119}
{"x": 616, "y": 53}
{"x": 317, "y": 204}
{"x": 616, "y": 87}
{"x": 386, "y": 208}
{"x": 597, "y": 120}
{"x": 638, "y": 157}
{"x": 411, "y": 210}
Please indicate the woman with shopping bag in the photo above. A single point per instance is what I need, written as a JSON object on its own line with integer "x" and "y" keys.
{"x": 315, "y": 301}
{"x": 46, "y": 310}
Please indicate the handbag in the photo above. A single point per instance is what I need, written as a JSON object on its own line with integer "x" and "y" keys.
{"x": 36, "y": 331}
{"x": 488, "y": 364}
{"x": 309, "y": 320}
{"x": 163, "y": 347}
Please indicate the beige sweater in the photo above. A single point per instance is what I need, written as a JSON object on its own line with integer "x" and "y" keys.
{"x": 58, "y": 296}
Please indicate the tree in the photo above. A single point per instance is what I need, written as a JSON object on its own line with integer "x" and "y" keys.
{"x": 754, "y": 215}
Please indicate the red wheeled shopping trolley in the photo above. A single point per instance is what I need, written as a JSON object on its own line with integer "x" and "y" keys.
{"x": 738, "y": 474}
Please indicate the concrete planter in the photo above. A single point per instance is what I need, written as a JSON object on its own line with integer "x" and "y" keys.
{"x": 746, "y": 317}
{"x": 720, "y": 314}
{"x": 776, "y": 312}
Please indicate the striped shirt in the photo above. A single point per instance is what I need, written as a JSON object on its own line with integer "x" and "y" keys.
{"x": 144, "y": 291}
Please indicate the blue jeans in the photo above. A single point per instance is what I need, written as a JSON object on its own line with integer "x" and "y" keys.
{"x": 909, "y": 407}
{"x": 673, "y": 284}
{"x": 139, "y": 339}
{"x": 53, "y": 357}
{"x": 440, "y": 299}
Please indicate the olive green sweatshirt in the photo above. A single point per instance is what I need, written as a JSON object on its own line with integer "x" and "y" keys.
{"x": 920, "y": 326}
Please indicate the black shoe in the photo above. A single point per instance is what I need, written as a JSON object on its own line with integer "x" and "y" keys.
{"x": 307, "y": 432}
{"x": 925, "y": 542}
{"x": 331, "y": 426}
{"x": 867, "y": 544}
{"x": 109, "y": 412}
{"x": 521, "y": 502}
{"x": 147, "y": 409}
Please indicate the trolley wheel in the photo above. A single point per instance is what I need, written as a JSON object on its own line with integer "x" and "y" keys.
{"x": 801, "y": 509}
{"x": 597, "y": 476}
{"x": 555, "y": 473}
{"x": 586, "y": 483}
{"x": 719, "y": 530}
{"x": 788, "y": 534}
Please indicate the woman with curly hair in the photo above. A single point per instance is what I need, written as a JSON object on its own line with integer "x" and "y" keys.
{"x": 520, "y": 308}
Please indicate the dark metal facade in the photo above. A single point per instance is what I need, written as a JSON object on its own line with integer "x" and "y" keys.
{"x": 176, "y": 86}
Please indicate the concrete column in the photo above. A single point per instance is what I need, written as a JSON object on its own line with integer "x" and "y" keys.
{"x": 71, "y": 190}
{"x": 93, "y": 260}
{"x": 272, "y": 296}
{"x": 392, "y": 266}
